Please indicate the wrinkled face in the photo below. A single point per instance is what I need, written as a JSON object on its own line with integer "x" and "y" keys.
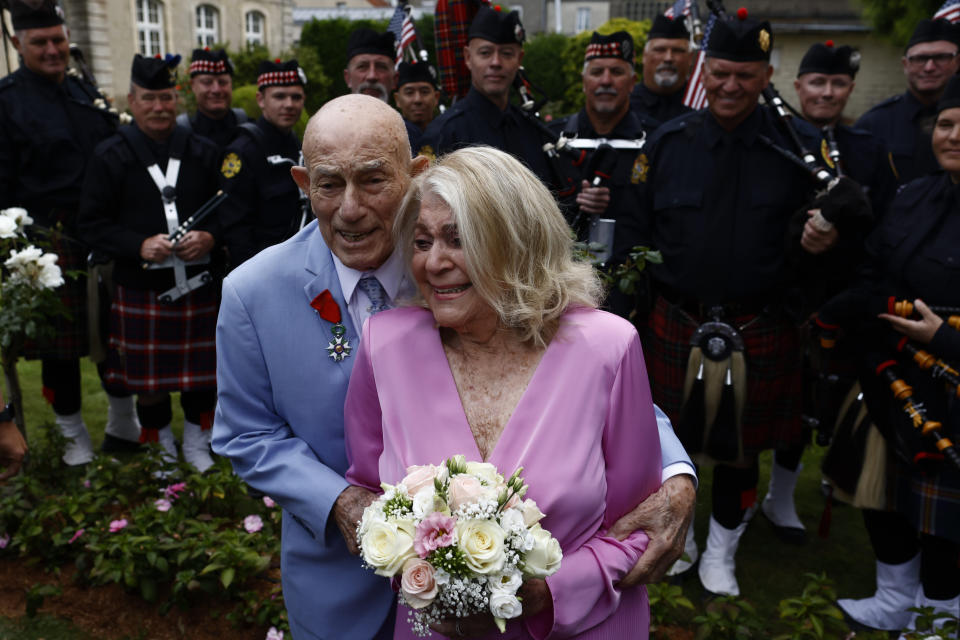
{"x": 607, "y": 83}
{"x": 733, "y": 88}
{"x": 439, "y": 267}
{"x": 928, "y": 66}
{"x": 213, "y": 93}
{"x": 492, "y": 66}
{"x": 946, "y": 141}
{"x": 45, "y": 51}
{"x": 823, "y": 96}
{"x": 281, "y": 106}
{"x": 666, "y": 62}
{"x": 154, "y": 110}
{"x": 417, "y": 102}
{"x": 370, "y": 74}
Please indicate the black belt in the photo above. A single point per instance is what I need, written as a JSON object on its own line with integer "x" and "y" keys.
{"x": 699, "y": 310}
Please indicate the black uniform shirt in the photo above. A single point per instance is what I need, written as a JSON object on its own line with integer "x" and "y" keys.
{"x": 905, "y": 126}
{"x": 717, "y": 205}
{"x": 221, "y": 132}
{"x": 121, "y": 205}
{"x": 263, "y": 207}
{"x": 475, "y": 120}
{"x": 414, "y": 134}
{"x": 47, "y": 134}
{"x": 660, "y": 108}
{"x": 864, "y": 157}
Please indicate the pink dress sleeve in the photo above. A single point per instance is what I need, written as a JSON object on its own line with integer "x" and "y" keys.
{"x": 362, "y": 418}
{"x": 583, "y": 590}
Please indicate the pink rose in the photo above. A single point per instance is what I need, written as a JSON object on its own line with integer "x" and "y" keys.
{"x": 117, "y": 525}
{"x": 417, "y": 583}
{"x": 268, "y": 501}
{"x": 464, "y": 489}
{"x": 419, "y": 476}
{"x": 433, "y": 532}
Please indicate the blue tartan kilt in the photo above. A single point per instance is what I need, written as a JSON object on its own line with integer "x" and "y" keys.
{"x": 156, "y": 347}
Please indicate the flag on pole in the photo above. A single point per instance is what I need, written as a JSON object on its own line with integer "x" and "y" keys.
{"x": 682, "y": 8}
{"x": 949, "y": 11}
{"x": 695, "y": 96}
{"x": 401, "y": 26}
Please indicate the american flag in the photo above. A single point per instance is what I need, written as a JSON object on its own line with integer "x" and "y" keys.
{"x": 696, "y": 96}
{"x": 950, "y": 10}
{"x": 401, "y": 26}
{"x": 682, "y": 8}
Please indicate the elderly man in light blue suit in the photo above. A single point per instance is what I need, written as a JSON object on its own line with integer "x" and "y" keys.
{"x": 289, "y": 320}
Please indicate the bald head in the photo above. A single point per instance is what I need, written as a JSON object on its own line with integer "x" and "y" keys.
{"x": 358, "y": 168}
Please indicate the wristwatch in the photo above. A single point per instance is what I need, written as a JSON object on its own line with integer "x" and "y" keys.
{"x": 7, "y": 414}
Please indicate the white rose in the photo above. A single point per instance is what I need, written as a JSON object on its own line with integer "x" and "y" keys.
{"x": 544, "y": 559}
{"x": 373, "y": 513}
{"x": 531, "y": 512}
{"x": 508, "y": 581}
{"x": 505, "y": 605}
{"x": 426, "y": 502}
{"x": 486, "y": 472}
{"x": 481, "y": 542}
{"x": 50, "y": 275}
{"x": 8, "y": 227}
{"x": 19, "y": 216}
{"x": 387, "y": 545}
{"x": 24, "y": 257}
{"x": 512, "y": 521}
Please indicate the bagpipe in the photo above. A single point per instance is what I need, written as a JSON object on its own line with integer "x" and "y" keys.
{"x": 190, "y": 223}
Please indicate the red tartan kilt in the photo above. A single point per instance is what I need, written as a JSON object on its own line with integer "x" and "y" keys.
{"x": 771, "y": 415}
{"x": 163, "y": 347}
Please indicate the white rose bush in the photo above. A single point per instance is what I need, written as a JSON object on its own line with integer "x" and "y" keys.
{"x": 459, "y": 540}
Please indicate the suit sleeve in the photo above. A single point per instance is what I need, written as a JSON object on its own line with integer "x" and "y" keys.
{"x": 249, "y": 431}
{"x": 583, "y": 590}
{"x": 237, "y": 215}
{"x": 363, "y": 432}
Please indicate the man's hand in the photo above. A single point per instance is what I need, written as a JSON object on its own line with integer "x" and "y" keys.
{"x": 814, "y": 239}
{"x": 921, "y": 330}
{"x": 156, "y": 248}
{"x": 347, "y": 511}
{"x": 665, "y": 517}
{"x": 12, "y": 449}
{"x": 194, "y": 245}
{"x": 593, "y": 200}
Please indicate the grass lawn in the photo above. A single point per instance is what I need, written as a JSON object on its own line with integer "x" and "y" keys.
{"x": 767, "y": 569}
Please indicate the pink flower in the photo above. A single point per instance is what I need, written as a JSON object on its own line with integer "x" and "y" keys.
{"x": 117, "y": 525}
{"x": 464, "y": 489}
{"x": 418, "y": 477}
{"x": 417, "y": 583}
{"x": 174, "y": 490}
{"x": 86, "y": 484}
{"x": 267, "y": 500}
{"x": 273, "y": 634}
{"x": 162, "y": 504}
{"x": 76, "y": 536}
{"x": 433, "y": 532}
{"x": 252, "y": 524}
{"x": 4, "y": 540}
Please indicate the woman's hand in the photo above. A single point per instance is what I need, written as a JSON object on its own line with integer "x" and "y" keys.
{"x": 921, "y": 330}
{"x": 533, "y": 593}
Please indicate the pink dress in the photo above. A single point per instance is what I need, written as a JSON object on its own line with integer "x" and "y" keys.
{"x": 584, "y": 431}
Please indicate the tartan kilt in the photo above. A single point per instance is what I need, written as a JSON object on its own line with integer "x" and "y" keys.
{"x": 931, "y": 502}
{"x": 70, "y": 339}
{"x": 773, "y": 355}
{"x": 156, "y": 347}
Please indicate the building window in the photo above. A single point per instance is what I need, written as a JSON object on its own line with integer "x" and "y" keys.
{"x": 208, "y": 25}
{"x": 150, "y": 27}
{"x": 583, "y": 19}
{"x": 255, "y": 28}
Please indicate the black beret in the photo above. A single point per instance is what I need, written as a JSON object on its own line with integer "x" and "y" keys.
{"x": 35, "y": 15}
{"x": 409, "y": 72}
{"x": 616, "y": 45}
{"x": 154, "y": 73}
{"x": 212, "y": 62}
{"x": 369, "y": 41}
{"x": 496, "y": 26}
{"x": 664, "y": 27}
{"x": 831, "y": 60}
{"x": 280, "y": 74}
{"x": 934, "y": 31}
{"x": 740, "y": 39}
{"x": 951, "y": 95}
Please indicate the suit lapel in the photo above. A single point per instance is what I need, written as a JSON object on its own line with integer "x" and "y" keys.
{"x": 323, "y": 277}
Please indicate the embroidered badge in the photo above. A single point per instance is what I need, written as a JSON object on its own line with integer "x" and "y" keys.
{"x": 428, "y": 152}
{"x": 763, "y": 39}
{"x": 328, "y": 309}
{"x": 641, "y": 166}
{"x": 825, "y": 152}
{"x": 231, "y": 165}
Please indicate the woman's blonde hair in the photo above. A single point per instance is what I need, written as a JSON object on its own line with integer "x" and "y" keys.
{"x": 518, "y": 248}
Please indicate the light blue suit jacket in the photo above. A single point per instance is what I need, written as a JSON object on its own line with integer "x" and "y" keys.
{"x": 280, "y": 422}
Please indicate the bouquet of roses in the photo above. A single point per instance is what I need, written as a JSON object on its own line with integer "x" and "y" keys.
{"x": 460, "y": 538}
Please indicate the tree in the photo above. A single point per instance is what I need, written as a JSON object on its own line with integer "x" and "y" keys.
{"x": 896, "y": 19}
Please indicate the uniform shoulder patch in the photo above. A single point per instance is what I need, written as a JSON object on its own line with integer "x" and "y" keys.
{"x": 428, "y": 152}
{"x": 641, "y": 166}
{"x": 231, "y": 165}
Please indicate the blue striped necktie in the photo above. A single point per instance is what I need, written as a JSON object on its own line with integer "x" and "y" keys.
{"x": 375, "y": 292}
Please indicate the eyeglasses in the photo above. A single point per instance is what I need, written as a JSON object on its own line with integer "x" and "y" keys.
{"x": 939, "y": 59}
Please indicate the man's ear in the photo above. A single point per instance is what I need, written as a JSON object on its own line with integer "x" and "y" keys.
{"x": 301, "y": 177}
{"x": 418, "y": 165}
{"x": 16, "y": 43}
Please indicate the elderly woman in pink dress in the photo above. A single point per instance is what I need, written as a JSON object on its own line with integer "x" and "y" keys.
{"x": 506, "y": 359}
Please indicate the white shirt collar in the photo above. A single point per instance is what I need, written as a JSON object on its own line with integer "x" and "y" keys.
{"x": 390, "y": 274}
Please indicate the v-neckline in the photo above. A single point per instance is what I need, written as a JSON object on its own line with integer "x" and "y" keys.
{"x": 465, "y": 423}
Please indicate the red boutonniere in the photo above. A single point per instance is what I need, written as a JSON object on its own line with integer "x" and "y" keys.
{"x": 328, "y": 309}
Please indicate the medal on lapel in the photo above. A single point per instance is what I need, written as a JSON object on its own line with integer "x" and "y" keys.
{"x": 327, "y": 308}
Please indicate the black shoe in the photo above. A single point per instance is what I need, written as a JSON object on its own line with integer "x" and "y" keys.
{"x": 113, "y": 444}
{"x": 790, "y": 535}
